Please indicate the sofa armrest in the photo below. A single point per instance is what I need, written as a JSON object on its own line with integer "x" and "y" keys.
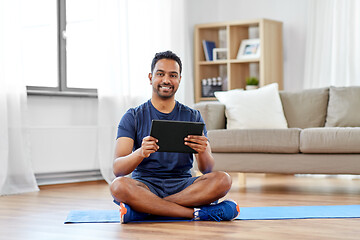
{"x": 213, "y": 113}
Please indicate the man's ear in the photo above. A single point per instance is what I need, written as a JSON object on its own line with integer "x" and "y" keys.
{"x": 150, "y": 78}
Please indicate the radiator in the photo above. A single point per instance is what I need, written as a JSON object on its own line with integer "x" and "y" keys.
{"x": 63, "y": 149}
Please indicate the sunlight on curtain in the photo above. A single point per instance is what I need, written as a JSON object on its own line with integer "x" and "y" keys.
{"x": 39, "y": 42}
{"x": 16, "y": 175}
{"x": 333, "y": 44}
{"x": 129, "y": 35}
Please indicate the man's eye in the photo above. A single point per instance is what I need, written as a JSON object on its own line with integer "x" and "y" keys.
{"x": 173, "y": 75}
{"x": 160, "y": 74}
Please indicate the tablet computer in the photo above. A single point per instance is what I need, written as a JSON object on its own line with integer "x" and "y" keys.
{"x": 171, "y": 134}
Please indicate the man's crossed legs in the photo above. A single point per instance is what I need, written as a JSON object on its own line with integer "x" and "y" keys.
{"x": 184, "y": 204}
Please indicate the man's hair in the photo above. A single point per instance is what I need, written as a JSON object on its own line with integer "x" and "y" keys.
{"x": 165, "y": 55}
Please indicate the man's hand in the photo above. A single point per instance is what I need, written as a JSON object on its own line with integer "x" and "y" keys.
{"x": 198, "y": 143}
{"x": 148, "y": 146}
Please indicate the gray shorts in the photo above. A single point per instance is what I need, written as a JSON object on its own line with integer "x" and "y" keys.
{"x": 165, "y": 187}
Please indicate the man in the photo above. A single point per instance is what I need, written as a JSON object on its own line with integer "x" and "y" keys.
{"x": 161, "y": 182}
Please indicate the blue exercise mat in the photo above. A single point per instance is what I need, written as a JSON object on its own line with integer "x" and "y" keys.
{"x": 299, "y": 212}
{"x": 93, "y": 216}
{"x": 246, "y": 213}
{"x": 111, "y": 216}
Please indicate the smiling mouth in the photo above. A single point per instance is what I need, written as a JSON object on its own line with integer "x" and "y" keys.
{"x": 167, "y": 88}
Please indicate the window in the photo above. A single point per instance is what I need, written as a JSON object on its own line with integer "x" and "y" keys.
{"x": 58, "y": 47}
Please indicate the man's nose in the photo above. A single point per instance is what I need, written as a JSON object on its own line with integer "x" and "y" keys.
{"x": 166, "y": 79}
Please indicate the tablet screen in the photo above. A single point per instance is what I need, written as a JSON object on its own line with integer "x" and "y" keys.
{"x": 171, "y": 134}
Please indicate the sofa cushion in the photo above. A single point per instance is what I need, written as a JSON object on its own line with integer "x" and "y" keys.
{"x": 255, "y": 140}
{"x": 306, "y": 108}
{"x": 260, "y": 108}
{"x": 344, "y": 107}
{"x": 330, "y": 140}
{"x": 213, "y": 113}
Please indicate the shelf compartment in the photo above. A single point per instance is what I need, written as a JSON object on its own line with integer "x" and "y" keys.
{"x": 211, "y": 71}
{"x": 215, "y": 33}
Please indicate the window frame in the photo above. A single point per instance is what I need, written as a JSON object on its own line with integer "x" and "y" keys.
{"x": 61, "y": 89}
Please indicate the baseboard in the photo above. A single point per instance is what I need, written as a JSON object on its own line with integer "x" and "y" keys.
{"x": 339, "y": 176}
{"x": 67, "y": 177}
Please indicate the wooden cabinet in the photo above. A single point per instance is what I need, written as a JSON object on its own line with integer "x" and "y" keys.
{"x": 267, "y": 67}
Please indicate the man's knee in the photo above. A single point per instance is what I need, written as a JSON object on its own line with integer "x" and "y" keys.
{"x": 223, "y": 181}
{"x": 120, "y": 188}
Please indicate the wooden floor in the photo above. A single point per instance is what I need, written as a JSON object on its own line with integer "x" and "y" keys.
{"x": 40, "y": 215}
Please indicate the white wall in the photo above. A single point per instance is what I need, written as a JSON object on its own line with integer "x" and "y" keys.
{"x": 293, "y": 14}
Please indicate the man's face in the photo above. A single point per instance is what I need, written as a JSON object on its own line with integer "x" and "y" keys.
{"x": 165, "y": 78}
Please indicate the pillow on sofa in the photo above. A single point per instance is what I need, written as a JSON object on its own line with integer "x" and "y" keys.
{"x": 260, "y": 108}
{"x": 306, "y": 108}
{"x": 344, "y": 107}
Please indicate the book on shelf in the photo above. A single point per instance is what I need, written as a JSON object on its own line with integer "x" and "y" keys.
{"x": 208, "y": 49}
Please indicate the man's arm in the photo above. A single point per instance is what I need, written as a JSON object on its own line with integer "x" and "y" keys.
{"x": 204, "y": 157}
{"x": 126, "y": 160}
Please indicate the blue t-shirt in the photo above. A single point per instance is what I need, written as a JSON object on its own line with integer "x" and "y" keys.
{"x": 136, "y": 124}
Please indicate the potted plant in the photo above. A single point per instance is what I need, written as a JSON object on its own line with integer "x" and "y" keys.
{"x": 252, "y": 83}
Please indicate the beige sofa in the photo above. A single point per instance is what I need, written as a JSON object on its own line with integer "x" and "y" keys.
{"x": 323, "y": 135}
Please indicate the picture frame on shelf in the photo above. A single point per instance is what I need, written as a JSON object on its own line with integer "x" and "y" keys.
{"x": 249, "y": 48}
{"x": 219, "y": 54}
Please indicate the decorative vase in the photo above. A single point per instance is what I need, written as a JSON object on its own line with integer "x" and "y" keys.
{"x": 251, "y": 87}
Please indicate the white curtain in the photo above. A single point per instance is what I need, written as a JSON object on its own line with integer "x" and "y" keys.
{"x": 333, "y": 44}
{"x": 130, "y": 32}
{"x": 16, "y": 175}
